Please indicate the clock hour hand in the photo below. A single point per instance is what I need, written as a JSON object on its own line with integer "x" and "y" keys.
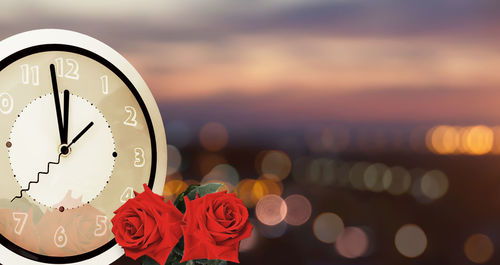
{"x": 55, "y": 91}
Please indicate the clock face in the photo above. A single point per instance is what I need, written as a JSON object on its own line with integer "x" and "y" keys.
{"x": 76, "y": 141}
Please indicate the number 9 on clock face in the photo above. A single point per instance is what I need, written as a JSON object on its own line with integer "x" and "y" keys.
{"x": 80, "y": 133}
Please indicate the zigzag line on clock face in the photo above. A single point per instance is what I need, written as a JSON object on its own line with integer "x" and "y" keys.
{"x": 38, "y": 177}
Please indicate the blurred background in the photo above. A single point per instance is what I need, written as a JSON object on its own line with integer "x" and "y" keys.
{"x": 357, "y": 131}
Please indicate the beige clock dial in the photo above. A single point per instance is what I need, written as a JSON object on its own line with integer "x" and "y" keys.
{"x": 79, "y": 134}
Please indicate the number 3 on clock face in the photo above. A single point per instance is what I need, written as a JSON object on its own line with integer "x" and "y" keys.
{"x": 81, "y": 132}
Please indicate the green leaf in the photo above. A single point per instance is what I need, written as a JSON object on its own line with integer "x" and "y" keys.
{"x": 179, "y": 202}
{"x": 204, "y": 190}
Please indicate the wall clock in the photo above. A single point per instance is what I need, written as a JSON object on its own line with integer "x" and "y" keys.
{"x": 79, "y": 132}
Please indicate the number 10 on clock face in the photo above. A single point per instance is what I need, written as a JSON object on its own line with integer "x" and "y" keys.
{"x": 77, "y": 141}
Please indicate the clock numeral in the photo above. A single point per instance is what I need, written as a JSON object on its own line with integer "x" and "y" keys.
{"x": 60, "y": 238}
{"x": 72, "y": 64}
{"x": 30, "y": 74}
{"x": 6, "y": 103}
{"x": 105, "y": 84}
{"x": 132, "y": 114}
{"x": 127, "y": 194}
{"x": 139, "y": 157}
{"x": 20, "y": 219}
{"x": 102, "y": 227}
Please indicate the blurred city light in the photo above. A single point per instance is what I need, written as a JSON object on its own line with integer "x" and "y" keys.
{"x": 174, "y": 159}
{"x": 271, "y": 210}
{"x": 472, "y": 140}
{"x": 173, "y": 188}
{"x": 213, "y": 136}
{"x": 479, "y": 248}
{"x": 299, "y": 209}
{"x": 207, "y": 161}
{"x": 410, "y": 241}
{"x": 224, "y": 174}
{"x": 356, "y": 175}
{"x": 400, "y": 180}
{"x": 434, "y": 184}
{"x": 275, "y": 163}
{"x": 352, "y": 242}
{"x": 327, "y": 227}
{"x": 374, "y": 175}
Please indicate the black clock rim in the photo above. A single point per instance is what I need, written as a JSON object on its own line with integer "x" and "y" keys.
{"x": 78, "y": 50}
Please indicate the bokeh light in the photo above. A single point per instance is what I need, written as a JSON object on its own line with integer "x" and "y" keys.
{"x": 374, "y": 175}
{"x": 480, "y": 140}
{"x": 443, "y": 139}
{"x": 356, "y": 175}
{"x": 224, "y": 174}
{"x": 276, "y": 163}
{"x": 213, "y": 136}
{"x": 434, "y": 184}
{"x": 473, "y": 140}
{"x": 174, "y": 159}
{"x": 321, "y": 171}
{"x": 173, "y": 188}
{"x": 271, "y": 210}
{"x": 298, "y": 209}
{"x": 479, "y": 248}
{"x": 352, "y": 242}
{"x": 410, "y": 241}
{"x": 327, "y": 227}
{"x": 397, "y": 180}
{"x": 207, "y": 161}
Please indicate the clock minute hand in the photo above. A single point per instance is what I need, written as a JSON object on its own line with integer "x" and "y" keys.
{"x": 55, "y": 91}
{"x": 81, "y": 133}
{"x": 66, "y": 116}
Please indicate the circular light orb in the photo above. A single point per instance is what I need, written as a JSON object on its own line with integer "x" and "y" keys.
{"x": 434, "y": 184}
{"x": 479, "y": 140}
{"x": 174, "y": 159}
{"x": 222, "y": 173}
{"x": 327, "y": 227}
{"x": 352, "y": 243}
{"x": 299, "y": 210}
{"x": 207, "y": 161}
{"x": 373, "y": 177}
{"x": 276, "y": 163}
{"x": 356, "y": 175}
{"x": 479, "y": 248}
{"x": 397, "y": 180}
{"x": 173, "y": 188}
{"x": 444, "y": 139}
{"x": 213, "y": 136}
{"x": 410, "y": 241}
{"x": 271, "y": 210}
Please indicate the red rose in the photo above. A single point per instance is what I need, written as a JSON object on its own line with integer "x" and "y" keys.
{"x": 213, "y": 227}
{"x": 146, "y": 225}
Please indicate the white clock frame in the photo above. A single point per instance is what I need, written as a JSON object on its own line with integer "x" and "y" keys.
{"x": 32, "y": 38}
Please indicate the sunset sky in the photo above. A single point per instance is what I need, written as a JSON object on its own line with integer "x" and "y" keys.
{"x": 282, "y": 61}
